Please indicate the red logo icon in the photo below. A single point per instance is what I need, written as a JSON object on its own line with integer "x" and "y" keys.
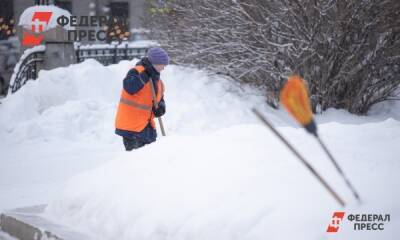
{"x": 40, "y": 20}
{"x": 336, "y": 220}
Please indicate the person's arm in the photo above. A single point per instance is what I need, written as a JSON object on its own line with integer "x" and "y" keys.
{"x": 134, "y": 81}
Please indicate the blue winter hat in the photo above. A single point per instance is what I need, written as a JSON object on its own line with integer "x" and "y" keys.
{"x": 158, "y": 55}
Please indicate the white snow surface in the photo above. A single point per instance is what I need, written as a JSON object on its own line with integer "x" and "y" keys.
{"x": 219, "y": 173}
{"x": 127, "y": 44}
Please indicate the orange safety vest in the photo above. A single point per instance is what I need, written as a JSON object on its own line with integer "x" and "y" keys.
{"x": 135, "y": 110}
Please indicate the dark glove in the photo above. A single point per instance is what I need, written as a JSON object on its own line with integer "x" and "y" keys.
{"x": 160, "y": 110}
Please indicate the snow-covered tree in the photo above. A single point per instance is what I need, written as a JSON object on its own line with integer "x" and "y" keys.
{"x": 348, "y": 51}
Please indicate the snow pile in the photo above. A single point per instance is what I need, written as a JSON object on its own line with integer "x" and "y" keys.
{"x": 236, "y": 183}
{"x": 64, "y": 103}
{"x": 26, "y": 21}
{"x": 80, "y": 101}
{"x": 63, "y": 122}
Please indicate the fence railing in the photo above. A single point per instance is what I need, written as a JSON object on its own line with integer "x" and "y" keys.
{"x": 110, "y": 54}
{"x": 28, "y": 66}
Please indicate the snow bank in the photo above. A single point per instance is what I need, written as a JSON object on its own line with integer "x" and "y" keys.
{"x": 25, "y": 19}
{"x": 63, "y": 122}
{"x": 80, "y": 101}
{"x": 387, "y": 109}
{"x": 63, "y": 103}
{"x": 236, "y": 183}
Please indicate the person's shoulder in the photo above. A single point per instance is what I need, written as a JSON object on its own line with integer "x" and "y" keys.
{"x": 139, "y": 71}
{"x": 140, "y": 68}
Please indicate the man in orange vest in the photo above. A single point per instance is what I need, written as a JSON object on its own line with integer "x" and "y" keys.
{"x": 135, "y": 115}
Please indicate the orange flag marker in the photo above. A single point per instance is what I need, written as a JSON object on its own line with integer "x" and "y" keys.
{"x": 294, "y": 97}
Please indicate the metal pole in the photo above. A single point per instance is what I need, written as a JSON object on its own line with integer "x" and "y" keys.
{"x": 155, "y": 103}
{"x": 294, "y": 151}
{"x": 339, "y": 169}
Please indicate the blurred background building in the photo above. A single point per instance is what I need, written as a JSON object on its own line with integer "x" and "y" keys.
{"x": 10, "y": 11}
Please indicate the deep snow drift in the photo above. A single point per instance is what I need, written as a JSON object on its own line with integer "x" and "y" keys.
{"x": 63, "y": 123}
{"x": 219, "y": 174}
{"x": 236, "y": 183}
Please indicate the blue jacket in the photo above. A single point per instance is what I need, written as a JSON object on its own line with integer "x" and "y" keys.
{"x": 132, "y": 84}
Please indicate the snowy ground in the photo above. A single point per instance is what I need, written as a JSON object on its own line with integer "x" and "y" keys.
{"x": 219, "y": 174}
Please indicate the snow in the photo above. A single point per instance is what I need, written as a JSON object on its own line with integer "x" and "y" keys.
{"x": 219, "y": 173}
{"x": 5, "y": 236}
{"x": 139, "y": 30}
{"x": 131, "y": 44}
{"x": 63, "y": 123}
{"x": 236, "y": 183}
{"x": 25, "y": 19}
